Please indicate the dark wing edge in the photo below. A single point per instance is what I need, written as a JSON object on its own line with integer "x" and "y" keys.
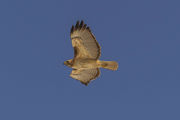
{"x": 97, "y": 75}
{"x": 90, "y": 79}
{"x": 81, "y": 26}
{"x": 76, "y": 52}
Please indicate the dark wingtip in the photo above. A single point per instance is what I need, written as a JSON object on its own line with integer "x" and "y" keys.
{"x": 84, "y": 26}
{"x": 81, "y": 24}
{"x": 77, "y": 25}
{"x": 88, "y": 29}
{"x": 72, "y": 29}
{"x": 85, "y": 83}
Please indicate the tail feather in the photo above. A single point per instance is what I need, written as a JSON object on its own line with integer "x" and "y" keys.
{"x": 111, "y": 65}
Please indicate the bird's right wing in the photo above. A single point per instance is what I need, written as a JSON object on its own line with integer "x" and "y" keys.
{"x": 85, "y": 75}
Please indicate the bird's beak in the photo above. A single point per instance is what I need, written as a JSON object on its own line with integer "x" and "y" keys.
{"x": 65, "y": 63}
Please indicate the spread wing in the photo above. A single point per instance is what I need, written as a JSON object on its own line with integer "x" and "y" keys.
{"x": 84, "y": 42}
{"x": 85, "y": 75}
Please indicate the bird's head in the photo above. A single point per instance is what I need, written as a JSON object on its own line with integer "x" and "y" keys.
{"x": 68, "y": 63}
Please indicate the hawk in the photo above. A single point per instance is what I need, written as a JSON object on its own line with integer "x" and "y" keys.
{"x": 87, "y": 51}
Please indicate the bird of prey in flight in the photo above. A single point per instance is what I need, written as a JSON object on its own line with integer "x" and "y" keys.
{"x": 87, "y": 51}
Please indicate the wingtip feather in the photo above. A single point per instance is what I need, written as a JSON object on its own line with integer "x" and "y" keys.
{"x": 85, "y": 83}
{"x": 77, "y": 25}
{"x": 72, "y": 29}
{"x": 81, "y": 24}
{"x": 88, "y": 29}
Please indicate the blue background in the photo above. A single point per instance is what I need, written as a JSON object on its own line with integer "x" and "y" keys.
{"x": 143, "y": 36}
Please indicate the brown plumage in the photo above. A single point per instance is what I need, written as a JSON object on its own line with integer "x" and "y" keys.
{"x": 87, "y": 51}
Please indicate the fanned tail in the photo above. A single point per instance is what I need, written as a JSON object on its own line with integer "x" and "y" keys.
{"x": 111, "y": 65}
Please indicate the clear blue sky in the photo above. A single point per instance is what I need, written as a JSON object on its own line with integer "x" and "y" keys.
{"x": 142, "y": 35}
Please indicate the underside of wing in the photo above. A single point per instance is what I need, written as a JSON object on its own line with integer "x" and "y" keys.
{"x": 84, "y": 42}
{"x": 85, "y": 75}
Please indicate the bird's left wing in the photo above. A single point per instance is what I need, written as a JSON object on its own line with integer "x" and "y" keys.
{"x": 85, "y": 75}
{"x": 84, "y": 42}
